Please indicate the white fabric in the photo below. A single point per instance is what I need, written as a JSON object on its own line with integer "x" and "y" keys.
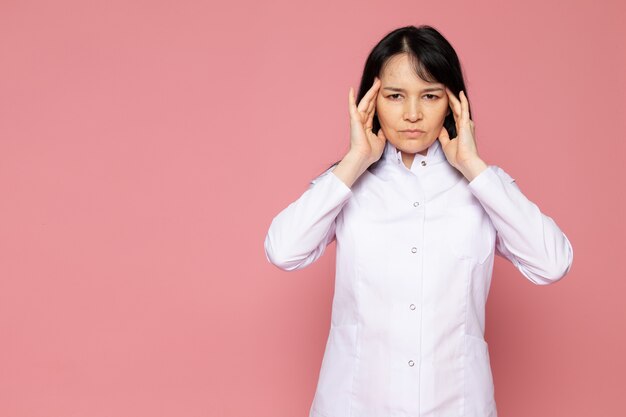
{"x": 415, "y": 251}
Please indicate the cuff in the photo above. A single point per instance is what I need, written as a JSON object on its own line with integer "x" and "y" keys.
{"x": 485, "y": 177}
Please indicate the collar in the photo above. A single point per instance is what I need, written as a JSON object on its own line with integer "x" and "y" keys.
{"x": 434, "y": 155}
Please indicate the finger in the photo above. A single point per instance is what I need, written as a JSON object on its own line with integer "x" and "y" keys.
{"x": 464, "y": 107}
{"x": 364, "y": 103}
{"x": 372, "y": 105}
{"x": 371, "y": 110}
{"x": 444, "y": 138}
{"x": 455, "y": 104}
{"x": 352, "y": 105}
{"x": 370, "y": 117}
{"x": 350, "y": 100}
{"x": 381, "y": 134}
{"x": 369, "y": 114}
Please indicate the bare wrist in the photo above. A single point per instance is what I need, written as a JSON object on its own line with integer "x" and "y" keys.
{"x": 351, "y": 167}
{"x": 472, "y": 169}
{"x": 360, "y": 161}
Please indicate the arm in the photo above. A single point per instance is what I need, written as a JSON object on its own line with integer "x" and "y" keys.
{"x": 525, "y": 236}
{"x": 299, "y": 234}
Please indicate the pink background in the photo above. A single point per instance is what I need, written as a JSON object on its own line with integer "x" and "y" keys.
{"x": 145, "y": 147}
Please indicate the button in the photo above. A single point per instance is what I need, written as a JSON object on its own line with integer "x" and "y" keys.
{"x": 411, "y": 363}
{"x": 423, "y": 163}
{"x": 417, "y": 203}
{"x": 412, "y": 306}
{"x": 413, "y": 249}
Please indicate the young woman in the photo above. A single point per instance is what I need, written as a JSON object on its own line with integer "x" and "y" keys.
{"x": 417, "y": 217}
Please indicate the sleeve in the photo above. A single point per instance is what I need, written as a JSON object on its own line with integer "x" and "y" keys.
{"x": 299, "y": 234}
{"x": 525, "y": 236}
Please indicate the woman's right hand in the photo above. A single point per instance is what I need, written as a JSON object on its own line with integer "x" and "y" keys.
{"x": 363, "y": 141}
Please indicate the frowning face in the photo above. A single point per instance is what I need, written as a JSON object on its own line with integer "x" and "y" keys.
{"x": 405, "y": 102}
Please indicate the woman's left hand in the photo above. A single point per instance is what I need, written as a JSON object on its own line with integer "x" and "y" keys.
{"x": 461, "y": 152}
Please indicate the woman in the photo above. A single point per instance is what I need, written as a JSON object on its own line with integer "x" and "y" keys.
{"x": 417, "y": 216}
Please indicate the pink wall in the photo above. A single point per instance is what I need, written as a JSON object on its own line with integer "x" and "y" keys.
{"x": 145, "y": 147}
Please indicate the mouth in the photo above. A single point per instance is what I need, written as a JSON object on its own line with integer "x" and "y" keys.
{"x": 412, "y": 133}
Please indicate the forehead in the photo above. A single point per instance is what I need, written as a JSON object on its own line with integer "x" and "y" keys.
{"x": 399, "y": 70}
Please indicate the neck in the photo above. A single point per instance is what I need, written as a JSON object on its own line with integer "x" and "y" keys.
{"x": 407, "y": 158}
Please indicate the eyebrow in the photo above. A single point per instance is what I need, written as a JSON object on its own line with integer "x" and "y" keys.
{"x": 402, "y": 90}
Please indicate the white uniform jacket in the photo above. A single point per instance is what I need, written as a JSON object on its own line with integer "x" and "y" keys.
{"x": 415, "y": 251}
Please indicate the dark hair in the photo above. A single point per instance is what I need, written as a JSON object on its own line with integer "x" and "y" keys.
{"x": 432, "y": 56}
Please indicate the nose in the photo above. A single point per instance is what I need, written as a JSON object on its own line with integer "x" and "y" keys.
{"x": 412, "y": 112}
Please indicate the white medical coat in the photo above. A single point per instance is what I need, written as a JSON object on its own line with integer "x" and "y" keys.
{"x": 415, "y": 251}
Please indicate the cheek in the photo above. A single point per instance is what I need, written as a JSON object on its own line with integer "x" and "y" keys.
{"x": 384, "y": 112}
{"x": 381, "y": 112}
{"x": 439, "y": 113}
{"x": 444, "y": 109}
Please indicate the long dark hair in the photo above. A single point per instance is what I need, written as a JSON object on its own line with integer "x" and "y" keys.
{"x": 433, "y": 58}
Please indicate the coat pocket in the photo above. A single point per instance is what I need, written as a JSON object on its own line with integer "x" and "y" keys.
{"x": 468, "y": 232}
{"x": 479, "y": 389}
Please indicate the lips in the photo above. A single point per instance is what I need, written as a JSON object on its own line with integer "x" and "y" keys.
{"x": 413, "y": 133}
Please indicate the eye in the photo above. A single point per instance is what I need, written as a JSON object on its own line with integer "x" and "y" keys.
{"x": 434, "y": 97}
{"x": 392, "y": 95}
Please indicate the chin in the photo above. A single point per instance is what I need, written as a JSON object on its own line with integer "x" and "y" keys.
{"x": 413, "y": 145}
